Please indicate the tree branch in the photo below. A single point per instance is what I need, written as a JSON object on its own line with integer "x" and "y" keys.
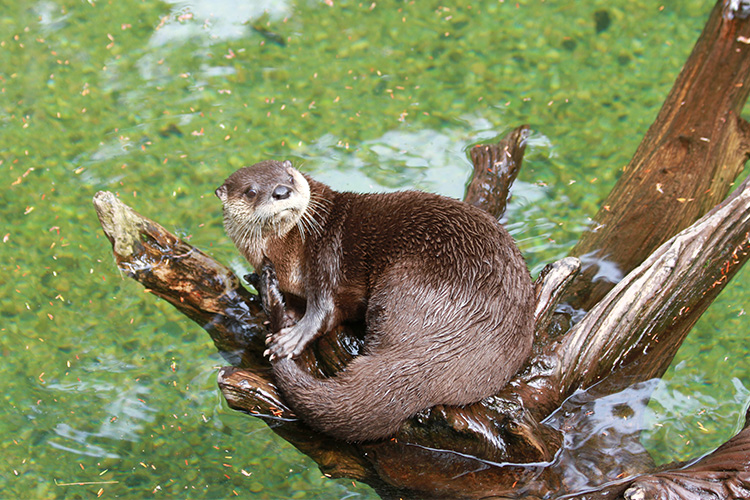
{"x": 496, "y": 166}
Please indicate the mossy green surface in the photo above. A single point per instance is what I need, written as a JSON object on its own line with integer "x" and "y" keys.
{"x": 107, "y": 386}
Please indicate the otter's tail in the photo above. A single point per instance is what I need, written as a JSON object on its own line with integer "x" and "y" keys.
{"x": 365, "y": 401}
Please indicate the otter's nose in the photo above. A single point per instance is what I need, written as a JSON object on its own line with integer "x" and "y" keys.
{"x": 281, "y": 193}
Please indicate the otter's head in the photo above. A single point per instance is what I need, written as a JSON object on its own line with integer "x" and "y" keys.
{"x": 264, "y": 200}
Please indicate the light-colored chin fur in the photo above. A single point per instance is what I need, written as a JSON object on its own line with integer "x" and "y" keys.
{"x": 250, "y": 229}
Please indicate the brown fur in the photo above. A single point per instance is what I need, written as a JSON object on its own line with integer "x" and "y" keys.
{"x": 444, "y": 292}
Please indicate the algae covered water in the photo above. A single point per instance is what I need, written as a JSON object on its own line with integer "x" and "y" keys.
{"x": 108, "y": 391}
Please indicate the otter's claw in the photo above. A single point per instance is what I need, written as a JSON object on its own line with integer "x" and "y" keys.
{"x": 271, "y": 357}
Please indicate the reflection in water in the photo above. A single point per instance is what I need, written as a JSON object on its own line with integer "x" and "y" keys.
{"x": 219, "y": 19}
{"x": 437, "y": 160}
{"x": 428, "y": 159}
{"x": 126, "y": 412}
{"x": 606, "y": 270}
{"x": 612, "y": 437}
{"x": 79, "y": 437}
{"x": 203, "y": 23}
{"x": 50, "y": 19}
{"x": 606, "y": 438}
{"x": 602, "y": 435}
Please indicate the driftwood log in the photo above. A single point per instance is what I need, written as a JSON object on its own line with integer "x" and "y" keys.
{"x": 674, "y": 251}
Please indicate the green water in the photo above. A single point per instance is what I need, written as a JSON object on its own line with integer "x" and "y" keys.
{"x": 159, "y": 102}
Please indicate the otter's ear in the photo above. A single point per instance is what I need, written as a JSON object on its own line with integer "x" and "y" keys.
{"x": 221, "y": 192}
{"x": 287, "y": 164}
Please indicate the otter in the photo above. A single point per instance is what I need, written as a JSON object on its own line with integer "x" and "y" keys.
{"x": 443, "y": 290}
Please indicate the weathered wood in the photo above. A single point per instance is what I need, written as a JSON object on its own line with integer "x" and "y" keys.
{"x": 198, "y": 286}
{"x": 659, "y": 302}
{"x": 685, "y": 164}
{"x": 550, "y": 289}
{"x": 496, "y": 166}
{"x": 184, "y": 276}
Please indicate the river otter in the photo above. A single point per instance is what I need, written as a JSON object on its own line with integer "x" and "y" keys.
{"x": 444, "y": 292}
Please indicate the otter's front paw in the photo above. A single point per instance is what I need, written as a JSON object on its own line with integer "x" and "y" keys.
{"x": 287, "y": 343}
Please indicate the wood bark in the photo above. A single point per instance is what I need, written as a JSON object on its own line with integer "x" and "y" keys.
{"x": 501, "y": 447}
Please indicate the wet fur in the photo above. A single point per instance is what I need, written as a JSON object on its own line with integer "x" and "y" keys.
{"x": 444, "y": 292}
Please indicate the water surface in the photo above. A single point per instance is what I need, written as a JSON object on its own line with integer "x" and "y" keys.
{"x": 159, "y": 101}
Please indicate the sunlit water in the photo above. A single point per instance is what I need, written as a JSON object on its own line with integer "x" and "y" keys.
{"x": 108, "y": 391}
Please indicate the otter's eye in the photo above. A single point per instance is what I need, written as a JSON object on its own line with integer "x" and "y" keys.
{"x": 291, "y": 180}
{"x": 250, "y": 193}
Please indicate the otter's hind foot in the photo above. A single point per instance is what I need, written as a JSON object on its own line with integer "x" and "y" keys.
{"x": 288, "y": 342}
